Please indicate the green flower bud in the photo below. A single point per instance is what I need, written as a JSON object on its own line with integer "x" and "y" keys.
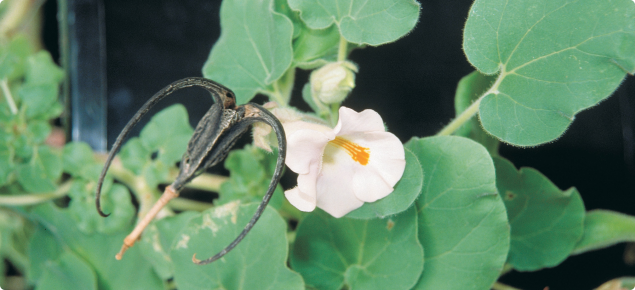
{"x": 332, "y": 82}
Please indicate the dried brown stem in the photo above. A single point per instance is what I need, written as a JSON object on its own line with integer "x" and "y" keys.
{"x": 129, "y": 241}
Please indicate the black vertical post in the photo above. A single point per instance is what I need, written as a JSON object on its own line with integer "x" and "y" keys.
{"x": 83, "y": 51}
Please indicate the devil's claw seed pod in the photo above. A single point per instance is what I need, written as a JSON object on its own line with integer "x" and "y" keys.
{"x": 332, "y": 82}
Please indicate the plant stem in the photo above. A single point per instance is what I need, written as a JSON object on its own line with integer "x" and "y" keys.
{"x": 31, "y": 199}
{"x": 461, "y": 119}
{"x": 205, "y": 181}
{"x": 7, "y": 94}
{"x": 342, "y": 49}
{"x": 501, "y": 286}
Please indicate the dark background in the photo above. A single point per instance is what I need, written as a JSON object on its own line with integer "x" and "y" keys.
{"x": 411, "y": 83}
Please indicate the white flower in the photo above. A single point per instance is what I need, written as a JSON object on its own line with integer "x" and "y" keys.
{"x": 340, "y": 169}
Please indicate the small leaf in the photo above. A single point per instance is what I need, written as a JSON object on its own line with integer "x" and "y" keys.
{"x": 354, "y": 254}
{"x": 604, "y": 228}
{"x": 406, "y": 191}
{"x": 13, "y": 57}
{"x": 470, "y": 88}
{"x": 167, "y": 133}
{"x": 157, "y": 240}
{"x": 115, "y": 201}
{"x": 41, "y": 172}
{"x": 38, "y": 130}
{"x": 134, "y": 156}
{"x": 37, "y": 99}
{"x": 6, "y": 164}
{"x": 254, "y": 49}
{"x": 362, "y": 22}
{"x": 315, "y": 47}
{"x": 98, "y": 250}
{"x": 41, "y": 69}
{"x": 76, "y": 156}
{"x": 554, "y": 58}
{"x": 69, "y": 272}
{"x": 250, "y": 172}
{"x": 462, "y": 221}
{"x": 546, "y": 222}
{"x": 258, "y": 262}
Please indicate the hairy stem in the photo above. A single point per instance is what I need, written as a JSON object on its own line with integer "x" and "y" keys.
{"x": 342, "y": 49}
{"x": 7, "y": 95}
{"x": 461, "y": 119}
{"x": 31, "y": 199}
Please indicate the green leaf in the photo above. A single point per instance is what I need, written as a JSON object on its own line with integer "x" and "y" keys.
{"x": 41, "y": 249}
{"x": 98, "y": 250}
{"x": 462, "y": 221}
{"x": 361, "y": 22}
{"x": 546, "y": 222}
{"x": 167, "y": 133}
{"x": 470, "y": 88}
{"x": 553, "y": 59}
{"x": 37, "y": 99}
{"x": 13, "y": 57}
{"x": 406, "y": 191}
{"x": 38, "y": 130}
{"x": 315, "y": 47}
{"x": 258, "y": 262}
{"x": 157, "y": 240}
{"x": 254, "y": 49}
{"x": 250, "y": 172}
{"x": 134, "y": 156}
{"x": 115, "y": 200}
{"x": 41, "y": 69}
{"x": 353, "y": 254}
{"x": 77, "y": 157}
{"x": 604, "y": 228}
{"x": 41, "y": 172}
{"x": 68, "y": 272}
{"x": 6, "y": 164}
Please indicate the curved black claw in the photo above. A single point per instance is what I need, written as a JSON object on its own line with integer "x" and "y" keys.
{"x": 220, "y": 94}
{"x": 253, "y": 114}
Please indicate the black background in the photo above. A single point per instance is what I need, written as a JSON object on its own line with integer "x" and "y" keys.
{"x": 411, "y": 83}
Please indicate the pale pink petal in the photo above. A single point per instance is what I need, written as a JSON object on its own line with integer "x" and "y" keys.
{"x": 335, "y": 193}
{"x": 369, "y": 185}
{"x": 305, "y": 147}
{"x": 300, "y": 200}
{"x": 351, "y": 122}
{"x": 387, "y": 156}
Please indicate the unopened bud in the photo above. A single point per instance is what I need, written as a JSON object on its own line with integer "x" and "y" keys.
{"x": 333, "y": 82}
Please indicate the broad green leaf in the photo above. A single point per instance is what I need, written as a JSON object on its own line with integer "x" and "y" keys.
{"x": 68, "y": 272}
{"x": 354, "y": 254}
{"x": 41, "y": 172}
{"x": 41, "y": 249}
{"x": 98, "y": 250}
{"x": 41, "y": 69}
{"x": 462, "y": 221}
{"x": 546, "y": 222}
{"x": 282, "y": 7}
{"x": 404, "y": 195}
{"x": 167, "y": 133}
{"x": 157, "y": 240}
{"x": 258, "y": 262}
{"x": 13, "y": 57}
{"x": 553, "y": 58}
{"x": 6, "y": 164}
{"x": 38, "y": 130}
{"x": 315, "y": 47}
{"x": 134, "y": 156}
{"x": 604, "y": 228}
{"x": 115, "y": 200}
{"x": 77, "y": 157}
{"x": 37, "y": 99}
{"x": 470, "y": 88}
{"x": 250, "y": 172}
{"x": 254, "y": 49}
{"x": 362, "y": 22}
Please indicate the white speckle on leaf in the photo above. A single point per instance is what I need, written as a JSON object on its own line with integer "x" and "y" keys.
{"x": 210, "y": 224}
{"x": 227, "y": 209}
{"x": 183, "y": 242}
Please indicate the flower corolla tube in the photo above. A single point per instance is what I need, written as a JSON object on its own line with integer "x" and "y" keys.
{"x": 341, "y": 168}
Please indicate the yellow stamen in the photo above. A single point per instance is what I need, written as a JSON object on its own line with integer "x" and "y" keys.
{"x": 358, "y": 153}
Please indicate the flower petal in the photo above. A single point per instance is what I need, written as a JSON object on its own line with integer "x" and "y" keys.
{"x": 387, "y": 155}
{"x": 305, "y": 147}
{"x": 351, "y": 122}
{"x": 300, "y": 200}
{"x": 335, "y": 193}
